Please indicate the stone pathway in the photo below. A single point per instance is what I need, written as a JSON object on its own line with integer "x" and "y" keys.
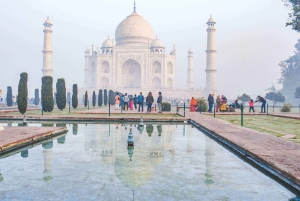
{"x": 282, "y": 155}
{"x": 14, "y": 137}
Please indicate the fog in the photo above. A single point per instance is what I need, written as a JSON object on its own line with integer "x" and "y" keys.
{"x": 251, "y": 38}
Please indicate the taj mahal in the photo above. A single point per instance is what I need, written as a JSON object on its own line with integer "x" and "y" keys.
{"x": 136, "y": 61}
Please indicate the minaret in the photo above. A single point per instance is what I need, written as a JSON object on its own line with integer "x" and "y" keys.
{"x": 209, "y": 160}
{"x": 86, "y": 69}
{"x": 47, "y": 152}
{"x": 190, "y": 78}
{"x": 211, "y": 69}
{"x": 47, "y": 51}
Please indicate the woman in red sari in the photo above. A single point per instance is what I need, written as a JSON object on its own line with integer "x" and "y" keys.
{"x": 193, "y": 105}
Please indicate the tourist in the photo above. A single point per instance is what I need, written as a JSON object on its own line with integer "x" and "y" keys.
{"x": 149, "y": 101}
{"x": 235, "y": 104}
{"x": 126, "y": 100}
{"x": 263, "y": 104}
{"x": 140, "y": 101}
{"x": 117, "y": 98}
{"x": 223, "y": 105}
{"x": 210, "y": 100}
{"x": 135, "y": 101}
{"x": 218, "y": 103}
{"x": 131, "y": 102}
{"x": 122, "y": 102}
{"x": 193, "y": 105}
{"x": 251, "y": 106}
{"x": 159, "y": 102}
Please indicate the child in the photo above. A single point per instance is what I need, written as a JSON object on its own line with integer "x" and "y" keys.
{"x": 251, "y": 106}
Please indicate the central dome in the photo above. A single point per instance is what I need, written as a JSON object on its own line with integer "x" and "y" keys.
{"x": 134, "y": 30}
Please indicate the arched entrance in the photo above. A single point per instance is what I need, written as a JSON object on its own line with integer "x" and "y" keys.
{"x": 105, "y": 83}
{"x": 131, "y": 74}
{"x": 156, "y": 83}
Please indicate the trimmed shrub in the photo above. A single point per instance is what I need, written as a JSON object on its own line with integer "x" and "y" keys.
{"x": 100, "y": 98}
{"x": 9, "y": 100}
{"x": 36, "y": 96}
{"x": 61, "y": 93}
{"x": 68, "y": 97}
{"x": 85, "y": 99}
{"x": 47, "y": 93}
{"x": 111, "y": 95}
{"x": 204, "y": 106}
{"x": 94, "y": 99}
{"x": 166, "y": 107}
{"x": 22, "y": 93}
{"x": 105, "y": 97}
{"x": 74, "y": 96}
{"x": 286, "y": 108}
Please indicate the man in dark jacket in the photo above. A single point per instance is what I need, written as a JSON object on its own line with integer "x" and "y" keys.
{"x": 135, "y": 101}
{"x": 140, "y": 102}
{"x": 210, "y": 102}
{"x": 263, "y": 104}
{"x": 159, "y": 102}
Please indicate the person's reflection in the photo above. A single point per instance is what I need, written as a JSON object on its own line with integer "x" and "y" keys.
{"x": 24, "y": 153}
{"x": 159, "y": 129}
{"x": 130, "y": 152}
{"x": 47, "y": 152}
{"x": 1, "y": 176}
{"x": 149, "y": 129}
{"x": 75, "y": 129}
{"x": 209, "y": 156}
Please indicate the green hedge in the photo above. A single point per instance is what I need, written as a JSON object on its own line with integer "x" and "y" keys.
{"x": 166, "y": 107}
{"x": 94, "y": 99}
{"x": 22, "y": 93}
{"x": 75, "y": 96}
{"x": 36, "y": 96}
{"x": 100, "y": 98}
{"x": 105, "y": 97}
{"x": 47, "y": 93}
{"x": 204, "y": 105}
{"x": 9, "y": 100}
{"x": 61, "y": 98}
{"x": 85, "y": 99}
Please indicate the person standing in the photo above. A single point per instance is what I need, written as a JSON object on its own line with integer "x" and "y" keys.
{"x": 210, "y": 100}
{"x": 159, "y": 102}
{"x": 193, "y": 105}
{"x": 135, "y": 101}
{"x": 149, "y": 101}
{"x": 131, "y": 102}
{"x": 126, "y": 100}
{"x": 263, "y": 104}
{"x": 251, "y": 106}
{"x": 218, "y": 103}
{"x": 140, "y": 102}
{"x": 117, "y": 98}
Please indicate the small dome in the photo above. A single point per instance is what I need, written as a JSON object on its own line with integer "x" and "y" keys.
{"x": 157, "y": 43}
{"x": 190, "y": 51}
{"x": 211, "y": 20}
{"x": 107, "y": 43}
{"x": 48, "y": 21}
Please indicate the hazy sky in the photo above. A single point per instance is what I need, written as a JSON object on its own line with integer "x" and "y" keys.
{"x": 251, "y": 38}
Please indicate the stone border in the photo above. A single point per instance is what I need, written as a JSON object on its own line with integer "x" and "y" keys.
{"x": 251, "y": 159}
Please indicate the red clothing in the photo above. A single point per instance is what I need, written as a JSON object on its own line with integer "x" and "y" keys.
{"x": 251, "y": 104}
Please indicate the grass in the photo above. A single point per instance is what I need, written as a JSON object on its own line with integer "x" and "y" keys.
{"x": 277, "y": 126}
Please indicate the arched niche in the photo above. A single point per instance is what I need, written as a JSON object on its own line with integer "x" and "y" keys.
{"x": 169, "y": 83}
{"x": 105, "y": 83}
{"x": 156, "y": 67}
{"x": 105, "y": 67}
{"x": 131, "y": 74}
{"x": 170, "y": 68}
{"x": 156, "y": 83}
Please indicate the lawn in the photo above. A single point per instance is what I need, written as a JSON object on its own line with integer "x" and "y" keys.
{"x": 277, "y": 126}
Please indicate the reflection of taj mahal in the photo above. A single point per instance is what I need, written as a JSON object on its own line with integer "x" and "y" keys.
{"x": 136, "y": 59}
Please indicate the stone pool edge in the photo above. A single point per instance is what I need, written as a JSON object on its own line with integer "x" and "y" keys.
{"x": 259, "y": 163}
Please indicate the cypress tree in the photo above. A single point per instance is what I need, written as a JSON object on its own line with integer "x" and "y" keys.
{"x": 61, "y": 93}
{"x": 9, "y": 96}
{"x": 105, "y": 97}
{"x": 85, "y": 99}
{"x": 47, "y": 93}
{"x": 94, "y": 99}
{"x": 22, "y": 93}
{"x": 100, "y": 98}
{"x": 68, "y": 97}
{"x": 111, "y": 96}
{"x": 36, "y": 97}
{"x": 74, "y": 96}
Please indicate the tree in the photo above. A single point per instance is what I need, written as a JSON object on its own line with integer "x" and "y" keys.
{"x": 297, "y": 93}
{"x": 47, "y": 93}
{"x": 105, "y": 97}
{"x": 202, "y": 104}
{"x": 244, "y": 98}
{"x": 294, "y": 15}
{"x": 272, "y": 88}
{"x": 74, "y": 96}
{"x": 275, "y": 97}
{"x": 61, "y": 93}
{"x": 111, "y": 96}
{"x": 23, "y": 93}
{"x": 68, "y": 97}
{"x": 9, "y": 100}
{"x": 100, "y": 98}
{"x": 85, "y": 99}
{"x": 290, "y": 73}
{"x": 36, "y": 97}
{"x": 94, "y": 99}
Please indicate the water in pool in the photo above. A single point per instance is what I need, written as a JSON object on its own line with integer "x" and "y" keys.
{"x": 167, "y": 162}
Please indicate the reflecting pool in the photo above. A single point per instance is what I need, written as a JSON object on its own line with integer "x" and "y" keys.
{"x": 167, "y": 162}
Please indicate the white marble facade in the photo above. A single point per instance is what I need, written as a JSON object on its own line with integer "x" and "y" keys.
{"x": 137, "y": 61}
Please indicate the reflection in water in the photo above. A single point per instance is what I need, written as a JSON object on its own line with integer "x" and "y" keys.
{"x": 209, "y": 157}
{"x": 75, "y": 129}
{"x": 47, "y": 125}
{"x": 159, "y": 129}
{"x": 47, "y": 152}
{"x": 149, "y": 129}
{"x": 61, "y": 140}
{"x": 130, "y": 152}
{"x": 1, "y": 176}
{"x": 21, "y": 125}
{"x": 24, "y": 153}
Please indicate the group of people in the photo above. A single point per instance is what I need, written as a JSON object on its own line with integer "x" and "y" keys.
{"x": 137, "y": 102}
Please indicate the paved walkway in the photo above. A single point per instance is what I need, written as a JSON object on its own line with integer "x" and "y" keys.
{"x": 282, "y": 155}
{"x": 14, "y": 137}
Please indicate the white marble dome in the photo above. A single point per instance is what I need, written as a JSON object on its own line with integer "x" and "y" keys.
{"x": 107, "y": 43}
{"x": 134, "y": 30}
{"x": 157, "y": 43}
